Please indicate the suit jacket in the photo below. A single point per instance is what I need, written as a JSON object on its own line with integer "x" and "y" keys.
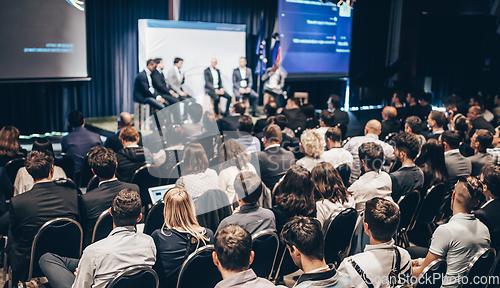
{"x": 229, "y": 123}
{"x": 237, "y": 79}
{"x": 209, "y": 80}
{"x": 259, "y": 126}
{"x": 141, "y": 88}
{"x": 30, "y": 210}
{"x": 173, "y": 81}
{"x": 6, "y": 190}
{"x": 457, "y": 165}
{"x": 389, "y": 126}
{"x": 481, "y": 123}
{"x": 490, "y": 216}
{"x": 115, "y": 144}
{"x": 99, "y": 199}
{"x": 129, "y": 160}
{"x": 479, "y": 160}
{"x": 159, "y": 83}
{"x": 78, "y": 143}
{"x": 341, "y": 117}
{"x": 274, "y": 162}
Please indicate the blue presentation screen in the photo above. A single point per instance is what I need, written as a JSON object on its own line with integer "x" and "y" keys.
{"x": 315, "y": 38}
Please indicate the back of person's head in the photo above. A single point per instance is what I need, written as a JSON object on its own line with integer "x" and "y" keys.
{"x": 125, "y": 119}
{"x": 281, "y": 121}
{"x": 43, "y": 145}
{"x": 491, "y": 178}
{"x": 335, "y": 101}
{"x": 248, "y": 187}
{"x": 38, "y": 164}
{"x": 372, "y": 154}
{"x": 311, "y": 143}
{"x": 468, "y": 192}
{"x": 150, "y": 62}
{"x": 309, "y": 111}
{"x": 195, "y": 159}
{"x": 476, "y": 110}
{"x": 304, "y": 234}
{"x": 327, "y": 118}
{"x": 432, "y": 160}
{"x": 157, "y": 60}
{"x": 484, "y": 138}
{"x": 452, "y": 138}
{"x": 390, "y": 112}
{"x": 271, "y": 108}
{"x": 462, "y": 125}
{"x": 126, "y": 208}
{"x": 129, "y": 134}
{"x": 75, "y": 118}
{"x": 373, "y": 127}
{"x": 102, "y": 160}
{"x": 273, "y": 133}
{"x": 233, "y": 247}
{"x": 415, "y": 124}
{"x": 195, "y": 112}
{"x": 233, "y": 154}
{"x": 294, "y": 193}
{"x": 439, "y": 118}
{"x": 407, "y": 143}
{"x": 450, "y": 102}
{"x": 294, "y": 100}
{"x": 327, "y": 184}
{"x": 245, "y": 124}
{"x": 239, "y": 108}
{"x": 334, "y": 134}
{"x": 175, "y": 135}
{"x": 177, "y": 60}
{"x": 382, "y": 217}
{"x": 9, "y": 141}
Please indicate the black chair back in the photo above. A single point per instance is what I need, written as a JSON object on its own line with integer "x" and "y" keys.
{"x": 198, "y": 270}
{"x": 211, "y": 207}
{"x": 12, "y": 167}
{"x": 172, "y": 158}
{"x": 436, "y": 267}
{"x": 285, "y": 265}
{"x": 143, "y": 178}
{"x": 431, "y": 204}
{"x": 265, "y": 245}
{"x": 480, "y": 267}
{"x": 67, "y": 163}
{"x": 495, "y": 271}
{"x": 93, "y": 183}
{"x": 155, "y": 218}
{"x": 337, "y": 245}
{"x": 103, "y": 226}
{"x": 136, "y": 276}
{"x": 62, "y": 236}
{"x": 345, "y": 173}
{"x": 408, "y": 205}
{"x": 85, "y": 173}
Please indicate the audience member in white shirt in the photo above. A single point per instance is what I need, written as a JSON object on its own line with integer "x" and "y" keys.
{"x": 336, "y": 155}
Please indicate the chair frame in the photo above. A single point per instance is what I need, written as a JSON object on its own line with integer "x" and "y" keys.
{"x": 90, "y": 182}
{"x": 149, "y": 216}
{"x": 493, "y": 268}
{"x": 269, "y": 232}
{"x": 62, "y": 154}
{"x": 129, "y": 272}
{"x": 403, "y": 232}
{"x": 429, "y": 267}
{"x": 331, "y": 219}
{"x": 103, "y": 214}
{"x": 476, "y": 258}
{"x": 190, "y": 257}
{"x": 37, "y": 236}
{"x": 19, "y": 159}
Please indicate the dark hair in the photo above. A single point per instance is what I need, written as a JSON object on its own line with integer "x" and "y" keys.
{"x": 408, "y": 143}
{"x": 281, "y": 121}
{"x": 334, "y": 134}
{"x": 382, "y": 217}
{"x": 294, "y": 100}
{"x": 177, "y": 60}
{"x": 439, "y": 118}
{"x": 432, "y": 163}
{"x": 150, "y": 61}
{"x": 327, "y": 118}
{"x": 175, "y": 135}
{"x": 195, "y": 111}
{"x": 233, "y": 246}
{"x": 309, "y": 111}
{"x": 306, "y": 235}
{"x": 273, "y": 133}
{"x": 248, "y": 186}
{"x": 450, "y": 102}
{"x": 245, "y": 124}
{"x": 38, "y": 164}
{"x": 75, "y": 118}
{"x": 335, "y": 100}
{"x": 401, "y": 95}
{"x": 43, "y": 145}
{"x": 239, "y": 108}
{"x": 372, "y": 154}
{"x": 9, "y": 141}
{"x": 103, "y": 161}
{"x": 484, "y": 138}
{"x": 271, "y": 108}
{"x": 195, "y": 159}
{"x": 233, "y": 154}
{"x": 126, "y": 208}
{"x": 157, "y": 60}
{"x": 427, "y": 97}
{"x": 462, "y": 126}
{"x": 327, "y": 184}
{"x": 475, "y": 188}
{"x": 415, "y": 124}
{"x": 491, "y": 178}
{"x": 452, "y": 138}
{"x": 294, "y": 193}
{"x": 129, "y": 134}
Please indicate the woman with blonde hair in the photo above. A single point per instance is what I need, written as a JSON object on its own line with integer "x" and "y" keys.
{"x": 9, "y": 145}
{"x": 313, "y": 147}
{"x": 180, "y": 235}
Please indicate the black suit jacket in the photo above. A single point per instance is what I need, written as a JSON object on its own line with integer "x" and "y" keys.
{"x": 481, "y": 123}
{"x": 30, "y": 210}
{"x": 115, "y": 144}
{"x": 389, "y": 126}
{"x": 141, "y": 87}
{"x": 490, "y": 216}
{"x": 159, "y": 83}
{"x": 229, "y": 123}
{"x": 209, "y": 80}
{"x": 259, "y": 126}
{"x": 274, "y": 162}
{"x": 341, "y": 117}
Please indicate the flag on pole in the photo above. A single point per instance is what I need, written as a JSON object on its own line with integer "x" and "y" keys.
{"x": 260, "y": 50}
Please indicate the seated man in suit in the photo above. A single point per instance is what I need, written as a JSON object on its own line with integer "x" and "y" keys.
{"x": 413, "y": 125}
{"x": 79, "y": 141}
{"x": 175, "y": 79}
{"x": 456, "y": 164}
{"x": 30, "y": 210}
{"x": 113, "y": 142}
{"x": 214, "y": 87}
{"x": 489, "y": 213}
{"x": 436, "y": 121}
{"x": 230, "y": 123}
{"x": 390, "y": 122}
{"x": 274, "y": 82}
{"x": 233, "y": 256}
{"x": 132, "y": 156}
{"x": 481, "y": 140}
{"x": 477, "y": 120}
{"x": 163, "y": 89}
{"x": 144, "y": 92}
{"x": 103, "y": 163}
{"x": 104, "y": 259}
{"x": 242, "y": 85}
{"x": 274, "y": 161}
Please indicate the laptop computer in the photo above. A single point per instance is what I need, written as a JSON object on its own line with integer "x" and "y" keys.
{"x": 156, "y": 193}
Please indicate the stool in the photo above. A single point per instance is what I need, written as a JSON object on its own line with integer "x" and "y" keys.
{"x": 303, "y": 96}
{"x": 141, "y": 114}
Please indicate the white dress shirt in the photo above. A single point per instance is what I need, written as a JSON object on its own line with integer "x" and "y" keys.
{"x": 178, "y": 73}
{"x": 215, "y": 76}
{"x": 150, "y": 81}
{"x": 243, "y": 73}
{"x": 370, "y": 185}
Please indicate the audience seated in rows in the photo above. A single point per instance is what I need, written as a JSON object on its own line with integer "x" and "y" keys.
{"x": 132, "y": 156}
{"x": 335, "y": 154}
{"x": 312, "y": 145}
{"x": 489, "y": 213}
{"x": 477, "y": 120}
{"x": 103, "y": 163}
{"x": 380, "y": 223}
{"x": 249, "y": 188}
{"x": 495, "y": 151}
{"x": 114, "y": 143}
{"x": 9, "y": 145}
{"x": 24, "y": 182}
{"x": 390, "y": 122}
{"x": 230, "y": 123}
{"x": 413, "y": 125}
{"x": 329, "y": 192}
{"x": 436, "y": 121}
{"x": 481, "y": 140}
{"x": 103, "y": 260}
{"x": 431, "y": 162}
{"x": 245, "y": 138}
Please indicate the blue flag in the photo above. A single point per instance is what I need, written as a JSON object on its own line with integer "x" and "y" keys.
{"x": 260, "y": 50}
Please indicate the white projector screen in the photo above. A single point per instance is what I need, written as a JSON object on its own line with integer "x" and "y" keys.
{"x": 196, "y": 43}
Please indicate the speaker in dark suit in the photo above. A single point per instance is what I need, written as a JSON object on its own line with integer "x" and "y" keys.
{"x": 242, "y": 85}
{"x": 144, "y": 91}
{"x": 214, "y": 87}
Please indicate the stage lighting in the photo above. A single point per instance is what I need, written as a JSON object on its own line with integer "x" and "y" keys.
{"x": 339, "y": 2}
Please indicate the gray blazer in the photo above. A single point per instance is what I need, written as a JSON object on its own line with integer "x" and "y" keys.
{"x": 457, "y": 166}
{"x": 173, "y": 81}
{"x": 479, "y": 160}
{"x": 237, "y": 79}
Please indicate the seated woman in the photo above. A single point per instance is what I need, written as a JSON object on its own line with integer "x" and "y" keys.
{"x": 196, "y": 178}
{"x": 9, "y": 145}
{"x": 180, "y": 235}
{"x": 234, "y": 160}
{"x": 329, "y": 191}
{"x": 431, "y": 161}
{"x": 24, "y": 182}
{"x": 312, "y": 146}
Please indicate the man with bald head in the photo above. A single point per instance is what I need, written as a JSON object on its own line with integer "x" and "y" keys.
{"x": 372, "y": 131}
{"x": 214, "y": 87}
{"x": 477, "y": 120}
{"x": 390, "y": 122}
{"x": 113, "y": 142}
